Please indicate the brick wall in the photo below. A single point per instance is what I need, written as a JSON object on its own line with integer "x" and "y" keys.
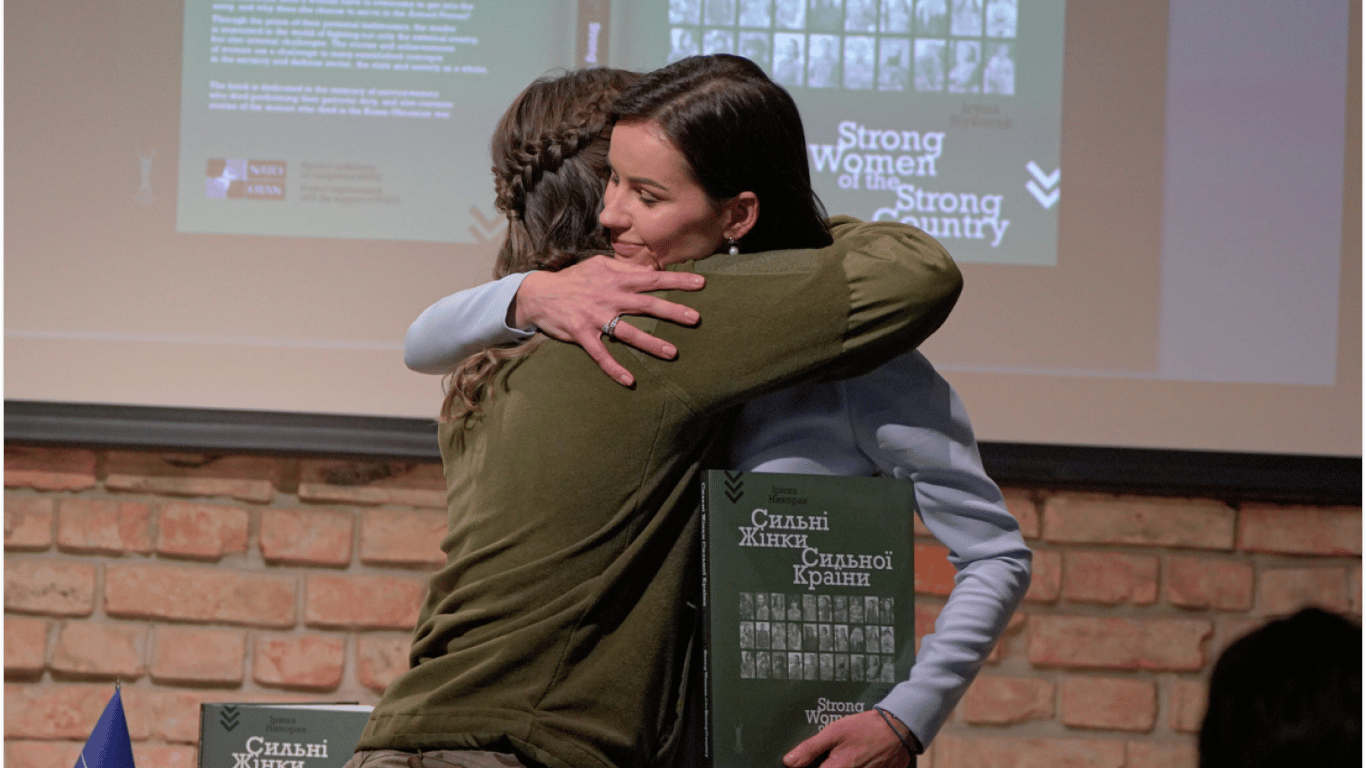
{"x": 197, "y": 578}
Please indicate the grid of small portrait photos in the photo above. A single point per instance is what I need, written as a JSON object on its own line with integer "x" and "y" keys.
{"x": 817, "y": 637}
{"x": 953, "y": 46}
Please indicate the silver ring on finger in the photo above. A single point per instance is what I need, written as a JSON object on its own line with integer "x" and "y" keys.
{"x": 609, "y": 328}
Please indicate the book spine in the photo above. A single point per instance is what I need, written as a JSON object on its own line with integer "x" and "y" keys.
{"x": 203, "y": 722}
{"x": 707, "y": 753}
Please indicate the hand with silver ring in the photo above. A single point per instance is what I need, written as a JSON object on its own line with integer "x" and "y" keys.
{"x": 569, "y": 305}
{"x": 610, "y": 327}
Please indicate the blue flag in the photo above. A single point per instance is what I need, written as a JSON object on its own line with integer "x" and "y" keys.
{"x": 109, "y": 745}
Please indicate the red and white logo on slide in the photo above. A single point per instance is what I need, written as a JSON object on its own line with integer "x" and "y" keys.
{"x": 250, "y": 179}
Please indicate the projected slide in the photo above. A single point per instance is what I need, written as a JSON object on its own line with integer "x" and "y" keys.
{"x": 352, "y": 118}
{"x": 944, "y": 114}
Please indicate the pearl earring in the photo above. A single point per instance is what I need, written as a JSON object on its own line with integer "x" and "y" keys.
{"x": 734, "y": 249}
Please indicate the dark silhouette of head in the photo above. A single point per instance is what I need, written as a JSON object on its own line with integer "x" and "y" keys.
{"x": 1287, "y": 693}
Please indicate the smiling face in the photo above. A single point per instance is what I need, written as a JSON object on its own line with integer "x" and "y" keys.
{"x": 655, "y": 210}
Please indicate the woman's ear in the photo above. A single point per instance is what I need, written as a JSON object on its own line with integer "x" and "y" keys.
{"x": 742, "y": 213}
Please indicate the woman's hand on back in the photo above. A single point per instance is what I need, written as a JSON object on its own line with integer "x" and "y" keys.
{"x": 575, "y": 303}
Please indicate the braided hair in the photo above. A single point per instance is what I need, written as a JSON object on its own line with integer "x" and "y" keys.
{"x": 549, "y": 168}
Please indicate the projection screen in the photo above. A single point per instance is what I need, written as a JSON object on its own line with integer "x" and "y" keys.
{"x": 232, "y": 204}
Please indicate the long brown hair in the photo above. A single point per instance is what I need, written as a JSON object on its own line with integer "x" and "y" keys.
{"x": 549, "y": 168}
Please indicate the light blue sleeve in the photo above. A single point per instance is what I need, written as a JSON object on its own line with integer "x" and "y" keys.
{"x": 904, "y": 420}
{"x": 909, "y": 421}
{"x": 461, "y": 324}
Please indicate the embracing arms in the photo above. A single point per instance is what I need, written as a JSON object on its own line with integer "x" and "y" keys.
{"x": 574, "y": 304}
{"x": 570, "y": 305}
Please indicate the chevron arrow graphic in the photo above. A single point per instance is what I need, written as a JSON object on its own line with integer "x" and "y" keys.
{"x": 1047, "y": 180}
{"x": 229, "y": 718}
{"x": 1044, "y": 186}
{"x": 484, "y": 229}
{"x": 1046, "y": 199}
{"x": 735, "y": 486}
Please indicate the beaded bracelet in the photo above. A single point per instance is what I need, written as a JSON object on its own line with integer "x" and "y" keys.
{"x": 901, "y": 738}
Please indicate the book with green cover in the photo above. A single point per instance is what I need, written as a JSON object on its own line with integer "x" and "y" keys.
{"x": 279, "y": 735}
{"x": 808, "y": 605}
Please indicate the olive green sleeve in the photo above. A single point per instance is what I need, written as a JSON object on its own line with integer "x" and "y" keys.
{"x": 902, "y": 286}
{"x": 772, "y": 319}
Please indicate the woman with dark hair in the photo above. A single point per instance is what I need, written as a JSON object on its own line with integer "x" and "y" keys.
{"x": 705, "y": 106}
{"x": 558, "y": 631}
{"x": 901, "y": 420}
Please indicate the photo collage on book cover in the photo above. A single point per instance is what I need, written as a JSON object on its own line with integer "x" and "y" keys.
{"x": 816, "y": 637}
